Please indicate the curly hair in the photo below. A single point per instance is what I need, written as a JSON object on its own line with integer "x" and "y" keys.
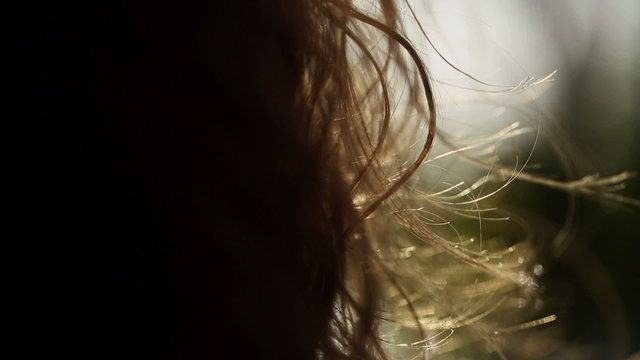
{"x": 227, "y": 180}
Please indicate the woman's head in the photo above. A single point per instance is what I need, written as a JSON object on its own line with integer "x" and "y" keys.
{"x": 235, "y": 180}
{"x": 186, "y": 178}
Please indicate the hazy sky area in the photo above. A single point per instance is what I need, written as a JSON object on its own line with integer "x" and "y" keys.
{"x": 592, "y": 44}
{"x": 503, "y": 42}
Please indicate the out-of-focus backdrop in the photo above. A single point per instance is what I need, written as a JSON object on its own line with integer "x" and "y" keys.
{"x": 592, "y": 107}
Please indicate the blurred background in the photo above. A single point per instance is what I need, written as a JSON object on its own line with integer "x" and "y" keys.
{"x": 589, "y": 111}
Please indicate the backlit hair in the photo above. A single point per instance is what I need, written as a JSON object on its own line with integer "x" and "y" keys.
{"x": 410, "y": 283}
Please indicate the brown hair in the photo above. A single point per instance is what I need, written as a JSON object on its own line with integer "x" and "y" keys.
{"x": 226, "y": 180}
{"x": 354, "y": 58}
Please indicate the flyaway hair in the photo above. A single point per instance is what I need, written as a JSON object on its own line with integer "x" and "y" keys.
{"x": 412, "y": 284}
{"x": 263, "y": 180}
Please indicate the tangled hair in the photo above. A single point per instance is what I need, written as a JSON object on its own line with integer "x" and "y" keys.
{"x": 345, "y": 105}
{"x": 202, "y": 180}
{"x": 405, "y": 287}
